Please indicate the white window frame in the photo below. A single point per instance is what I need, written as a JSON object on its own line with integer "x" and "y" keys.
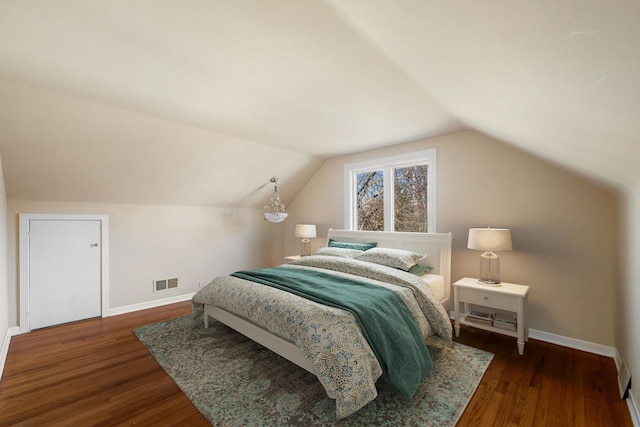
{"x": 386, "y": 164}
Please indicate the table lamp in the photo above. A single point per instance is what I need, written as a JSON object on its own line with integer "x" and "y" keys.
{"x": 489, "y": 240}
{"x": 306, "y": 232}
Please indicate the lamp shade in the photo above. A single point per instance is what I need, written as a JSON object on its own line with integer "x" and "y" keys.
{"x": 490, "y": 239}
{"x": 305, "y": 231}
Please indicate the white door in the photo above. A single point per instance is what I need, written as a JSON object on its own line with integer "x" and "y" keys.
{"x": 64, "y": 271}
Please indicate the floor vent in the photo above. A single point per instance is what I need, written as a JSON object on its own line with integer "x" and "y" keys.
{"x": 165, "y": 284}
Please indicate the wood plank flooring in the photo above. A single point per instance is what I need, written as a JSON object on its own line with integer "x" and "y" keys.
{"x": 549, "y": 385}
{"x": 92, "y": 373}
{"x": 97, "y": 373}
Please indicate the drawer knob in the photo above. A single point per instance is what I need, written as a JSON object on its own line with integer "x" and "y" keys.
{"x": 486, "y": 297}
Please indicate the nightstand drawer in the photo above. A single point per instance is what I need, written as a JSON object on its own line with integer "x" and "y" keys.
{"x": 489, "y": 299}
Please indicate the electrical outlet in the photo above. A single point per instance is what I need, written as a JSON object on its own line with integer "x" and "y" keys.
{"x": 203, "y": 283}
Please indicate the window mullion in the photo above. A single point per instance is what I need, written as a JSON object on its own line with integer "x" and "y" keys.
{"x": 353, "y": 203}
{"x": 388, "y": 199}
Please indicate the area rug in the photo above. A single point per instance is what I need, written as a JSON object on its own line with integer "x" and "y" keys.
{"x": 236, "y": 382}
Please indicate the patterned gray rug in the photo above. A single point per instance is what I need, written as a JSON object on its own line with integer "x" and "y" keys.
{"x": 236, "y": 382}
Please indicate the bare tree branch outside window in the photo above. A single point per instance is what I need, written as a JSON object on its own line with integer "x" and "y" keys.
{"x": 410, "y": 198}
{"x": 395, "y": 193}
{"x": 409, "y": 204}
{"x": 370, "y": 200}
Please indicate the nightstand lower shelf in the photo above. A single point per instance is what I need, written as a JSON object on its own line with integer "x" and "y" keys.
{"x": 513, "y": 334}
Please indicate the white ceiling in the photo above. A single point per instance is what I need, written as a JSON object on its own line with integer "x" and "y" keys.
{"x": 202, "y": 101}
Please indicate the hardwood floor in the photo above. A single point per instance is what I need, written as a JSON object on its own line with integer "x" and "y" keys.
{"x": 549, "y": 385}
{"x": 92, "y": 373}
{"x": 97, "y": 373}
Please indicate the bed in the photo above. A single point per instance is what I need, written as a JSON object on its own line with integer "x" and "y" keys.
{"x": 329, "y": 341}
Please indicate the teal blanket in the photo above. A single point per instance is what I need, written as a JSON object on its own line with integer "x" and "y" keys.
{"x": 385, "y": 320}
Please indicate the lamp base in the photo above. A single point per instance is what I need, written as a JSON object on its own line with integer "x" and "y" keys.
{"x": 305, "y": 247}
{"x": 489, "y": 269}
{"x": 489, "y": 282}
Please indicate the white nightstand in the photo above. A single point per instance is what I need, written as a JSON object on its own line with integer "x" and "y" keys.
{"x": 291, "y": 258}
{"x": 508, "y": 297}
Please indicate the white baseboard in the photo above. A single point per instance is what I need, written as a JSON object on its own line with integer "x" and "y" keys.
{"x": 602, "y": 350}
{"x": 576, "y": 344}
{"x": 633, "y": 410}
{"x": 5, "y": 346}
{"x": 150, "y": 304}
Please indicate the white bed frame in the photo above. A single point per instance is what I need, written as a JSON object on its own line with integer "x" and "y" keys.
{"x": 436, "y": 246}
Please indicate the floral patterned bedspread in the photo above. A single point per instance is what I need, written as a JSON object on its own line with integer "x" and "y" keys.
{"x": 329, "y": 337}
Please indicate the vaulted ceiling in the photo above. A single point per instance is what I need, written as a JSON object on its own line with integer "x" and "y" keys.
{"x": 202, "y": 101}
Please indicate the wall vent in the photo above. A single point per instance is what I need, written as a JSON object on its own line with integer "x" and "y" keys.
{"x": 165, "y": 284}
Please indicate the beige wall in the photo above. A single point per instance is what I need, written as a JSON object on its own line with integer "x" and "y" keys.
{"x": 150, "y": 242}
{"x": 4, "y": 291}
{"x": 564, "y": 228}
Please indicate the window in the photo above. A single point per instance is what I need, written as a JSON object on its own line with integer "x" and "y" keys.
{"x": 392, "y": 194}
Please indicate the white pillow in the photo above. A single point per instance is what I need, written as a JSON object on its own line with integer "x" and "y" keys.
{"x": 339, "y": 252}
{"x": 396, "y": 258}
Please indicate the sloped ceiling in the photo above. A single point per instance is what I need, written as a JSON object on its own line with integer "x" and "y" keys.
{"x": 201, "y": 102}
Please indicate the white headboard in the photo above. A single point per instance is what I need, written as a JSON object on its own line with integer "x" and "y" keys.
{"x": 437, "y": 247}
